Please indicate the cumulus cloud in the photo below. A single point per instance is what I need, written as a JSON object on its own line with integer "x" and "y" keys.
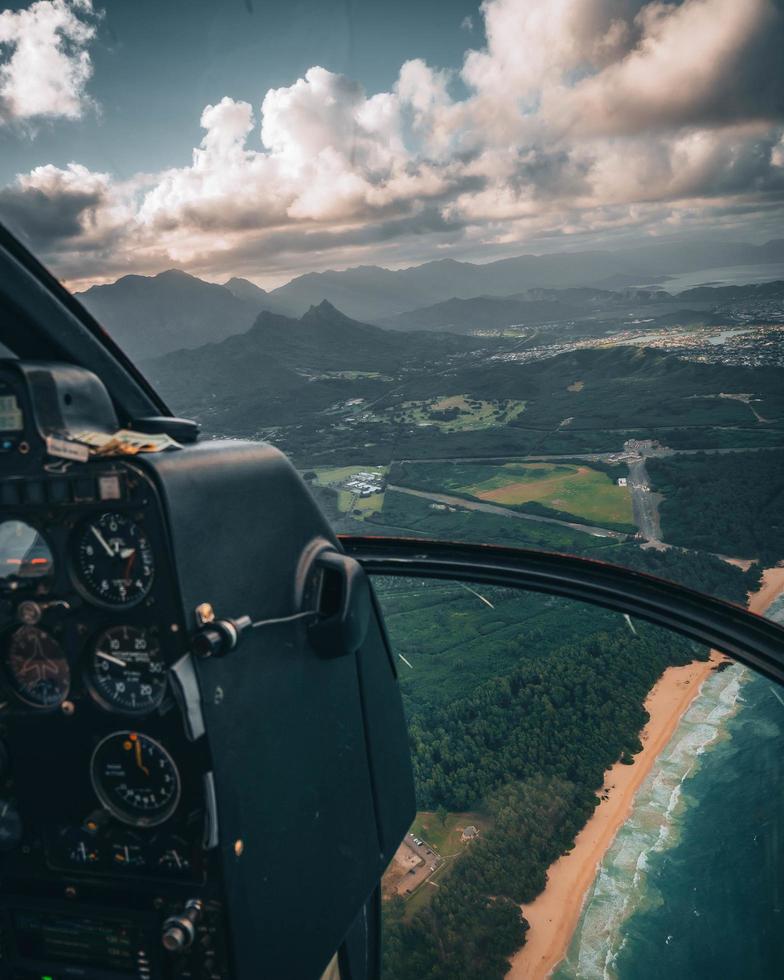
{"x": 44, "y": 59}
{"x": 575, "y": 117}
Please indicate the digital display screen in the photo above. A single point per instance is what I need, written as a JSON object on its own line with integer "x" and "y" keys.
{"x": 97, "y": 943}
{"x": 11, "y": 418}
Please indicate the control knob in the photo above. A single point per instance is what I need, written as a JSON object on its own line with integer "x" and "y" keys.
{"x": 179, "y": 931}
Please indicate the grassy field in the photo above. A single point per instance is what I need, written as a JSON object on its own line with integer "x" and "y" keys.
{"x": 569, "y": 487}
{"x": 462, "y": 413}
{"x": 446, "y": 839}
{"x": 411, "y": 516}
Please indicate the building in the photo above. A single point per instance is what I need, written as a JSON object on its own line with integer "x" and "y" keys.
{"x": 621, "y": 481}
{"x": 470, "y": 832}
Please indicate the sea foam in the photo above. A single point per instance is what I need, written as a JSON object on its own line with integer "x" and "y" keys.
{"x": 623, "y": 883}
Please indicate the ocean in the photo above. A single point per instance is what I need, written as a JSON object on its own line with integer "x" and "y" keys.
{"x": 693, "y": 885}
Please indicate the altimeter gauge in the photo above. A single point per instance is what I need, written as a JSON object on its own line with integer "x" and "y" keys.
{"x": 126, "y": 671}
{"x": 113, "y": 560}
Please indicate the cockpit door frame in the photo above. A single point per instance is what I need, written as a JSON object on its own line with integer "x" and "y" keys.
{"x": 750, "y": 639}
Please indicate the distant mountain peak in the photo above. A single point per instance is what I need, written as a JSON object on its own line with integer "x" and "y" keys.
{"x": 245, "y": 289}
{"x": 324, "y": 307}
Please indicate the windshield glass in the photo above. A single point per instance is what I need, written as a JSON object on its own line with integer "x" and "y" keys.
{"x": 507, "y": 272}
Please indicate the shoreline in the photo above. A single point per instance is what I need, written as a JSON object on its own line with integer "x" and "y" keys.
{"x": 554, "y": 914}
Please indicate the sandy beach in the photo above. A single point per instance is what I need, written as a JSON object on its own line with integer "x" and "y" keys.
{"x": 554, "y": 915}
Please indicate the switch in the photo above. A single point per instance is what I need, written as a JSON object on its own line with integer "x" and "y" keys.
{"x": 34, "y": 492}
{"x": 9, "y": 493}
{"x": 179, "y": 930}
{"x": 58, "y": 491}
{"x": 83, "y": 488}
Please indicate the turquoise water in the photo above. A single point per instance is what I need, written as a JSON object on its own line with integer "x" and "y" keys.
{"x": 693, "y": 886}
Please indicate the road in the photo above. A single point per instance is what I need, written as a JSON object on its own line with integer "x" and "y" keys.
{"x": 445, "y": 498}
{"x": 583, "y": 457}
{"x": 645, "y": 504}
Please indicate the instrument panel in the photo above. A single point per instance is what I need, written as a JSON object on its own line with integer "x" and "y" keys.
{"x": 81, "y": 618}
{"x": 200, "y": 724}
{"x": 101, "y": 783}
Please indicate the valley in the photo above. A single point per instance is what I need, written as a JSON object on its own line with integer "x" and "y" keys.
{"x": 631, "y": 426}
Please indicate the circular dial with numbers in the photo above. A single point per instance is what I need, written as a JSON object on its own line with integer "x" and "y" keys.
{"x": 113, "y": 560}
{"x": 127, "y": 672}
{"x": 135, "y": 778}
{"x": 37, "y": 668}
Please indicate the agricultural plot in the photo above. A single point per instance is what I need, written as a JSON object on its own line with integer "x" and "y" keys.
{"x": 564, "y": 487}
{"x": 462, "y": 413}
{"x": 579, "y": 491}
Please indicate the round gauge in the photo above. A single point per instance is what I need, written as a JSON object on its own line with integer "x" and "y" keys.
{"x": 127, "y": 672}
{"x": 37, "y": 668}
{"x": 24, "y": 554}
{"x": 135, "y": 778}
{"x": 113, "y": 560}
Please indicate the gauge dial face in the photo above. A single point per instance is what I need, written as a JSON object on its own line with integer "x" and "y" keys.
{"x": 135, "y": 778}
{"x": 127, "y": 672}
{"x": 24, "y": 554}
{"x": 113, "y": 560}
{"x": 37, "y": 668}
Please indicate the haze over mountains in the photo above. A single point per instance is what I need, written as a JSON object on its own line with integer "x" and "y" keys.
{"x": 150, "y": 316}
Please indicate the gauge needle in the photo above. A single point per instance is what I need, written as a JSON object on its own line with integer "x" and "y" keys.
{"x": 139, "y": 762}
{"x": 102, "y": 540}
{"x": 127, "y": 552}
{"x": 112, "y": 659}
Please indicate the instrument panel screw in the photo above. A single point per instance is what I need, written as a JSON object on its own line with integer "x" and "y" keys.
{"x": 68, "y": 708}
{"x": 174, "y": 628}
{"x": 157, "y": 904}
{"x": 239, "y": 847}
{"x": 70, "y": 891}
{"x": 204, "y": 614}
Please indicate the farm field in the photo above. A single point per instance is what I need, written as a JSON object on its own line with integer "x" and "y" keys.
{"x": 411, "y": 516}
{"x": 581, "y": 491}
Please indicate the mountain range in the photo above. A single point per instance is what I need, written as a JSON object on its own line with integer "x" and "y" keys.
{"x": 149, "y": 316}
{"x": 283, "y": 367}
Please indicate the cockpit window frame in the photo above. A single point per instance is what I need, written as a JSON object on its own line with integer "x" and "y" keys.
{"x": 752, "y": 640}
{"x": 41, "y": 320}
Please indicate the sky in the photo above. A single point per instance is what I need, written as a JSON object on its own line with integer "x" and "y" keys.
{"x": 267, "y": 139}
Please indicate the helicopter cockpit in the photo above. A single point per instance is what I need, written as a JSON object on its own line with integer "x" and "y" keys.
{"x": 391, "y": 490}
{"x": 201, "y": 718}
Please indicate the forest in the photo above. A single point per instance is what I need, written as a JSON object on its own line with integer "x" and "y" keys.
{"x": 557, "y": 700}
{"x": 728, "y": 504}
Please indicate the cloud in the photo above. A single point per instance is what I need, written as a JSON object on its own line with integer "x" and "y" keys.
{"x": 576, "y": 118}
{"x": 44, "y": 61}
{"x": 704, "y": 63}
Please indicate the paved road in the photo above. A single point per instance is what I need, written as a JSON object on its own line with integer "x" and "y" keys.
{"x": 587, "y": 457}
{"x": 645, "y": 504}
{"x": 445, "y": 498}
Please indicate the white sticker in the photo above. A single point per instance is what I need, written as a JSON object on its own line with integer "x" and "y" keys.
{"x": 67, "y": 450}
{"x": 109, "y": 488}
